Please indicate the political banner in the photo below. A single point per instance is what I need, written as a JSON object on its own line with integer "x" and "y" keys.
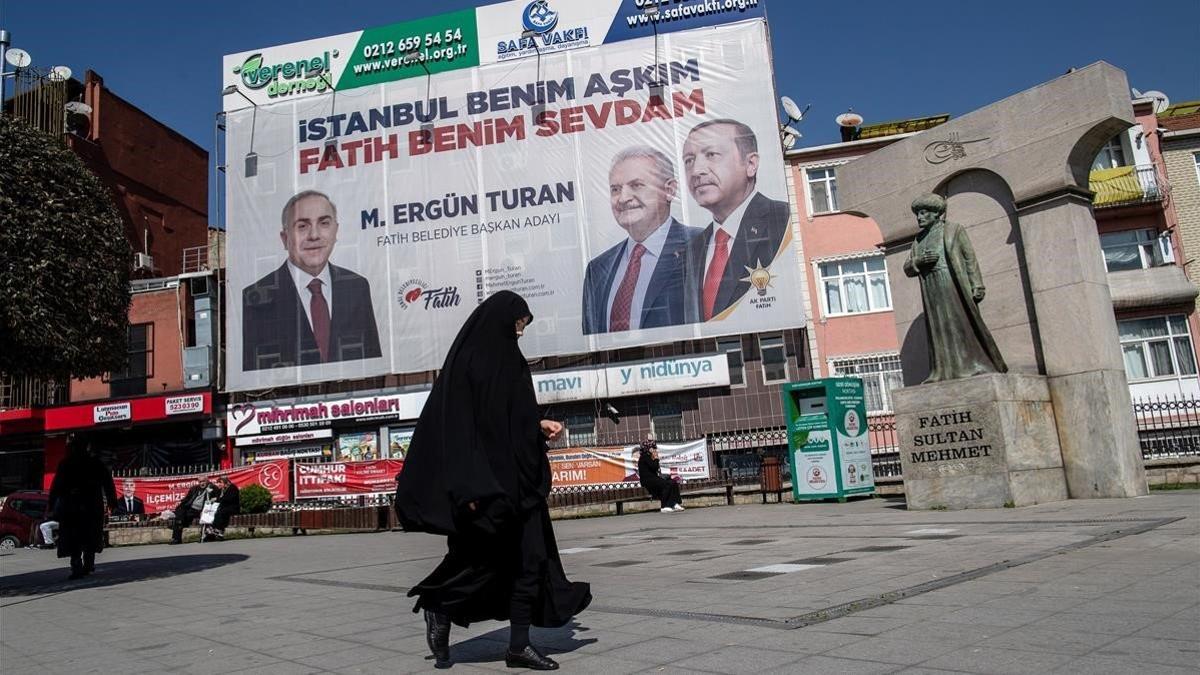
{"x": 633, "y": 192}
{"x": 345, "y": 479}
{"x": 611, "y": 466}
{"x": 151, "y": 495}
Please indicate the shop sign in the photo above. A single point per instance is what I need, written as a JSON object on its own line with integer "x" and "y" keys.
{"x": 288, "y": 437}
{"x": 184, "y": 405}
{"x": 632, "y": 379}
{"x": 112, "y": 412}
{"x": 248, "y": 419}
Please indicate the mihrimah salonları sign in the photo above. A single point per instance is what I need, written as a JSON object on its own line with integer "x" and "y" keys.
{"x": 555, "y": 148}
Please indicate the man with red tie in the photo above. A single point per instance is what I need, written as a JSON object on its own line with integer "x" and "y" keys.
{"x": 638, "y": 283}
{"x": 720, "y": 159}
{"x": 308, "y": 311}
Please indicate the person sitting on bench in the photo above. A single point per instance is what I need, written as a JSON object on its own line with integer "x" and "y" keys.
{"x": 666, "y": 491}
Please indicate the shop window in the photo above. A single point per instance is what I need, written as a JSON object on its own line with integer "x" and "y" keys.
{"x": 581, "y": 429}
{"x": 855, "y": 286}
{"x": 732, "y": 348}
{"x": 880, "y": 375}
{"x": 822, "y": 190}
{"x": 139, "y": 363}
{"x": 1157, "y": 347}
{"x": 666, "y": 422}
{"x": 1135, "y": 249}
{"x": 774, "y": 358}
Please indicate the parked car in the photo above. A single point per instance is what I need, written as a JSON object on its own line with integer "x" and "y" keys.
{"x": 19, "y": 512}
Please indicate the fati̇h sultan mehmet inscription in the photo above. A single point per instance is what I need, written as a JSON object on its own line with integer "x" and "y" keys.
{"x": 960, "y": 345}
{"x": 951, "y": 442}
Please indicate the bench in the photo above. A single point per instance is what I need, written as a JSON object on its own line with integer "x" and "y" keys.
{"x": 706, "y": 489}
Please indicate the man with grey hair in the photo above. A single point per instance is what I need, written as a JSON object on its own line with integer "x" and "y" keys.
{"x": 308, "y": 311}
{"x": 638, "y": 283}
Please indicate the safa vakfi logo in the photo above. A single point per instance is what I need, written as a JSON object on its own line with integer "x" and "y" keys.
{"x": 540, "y": 22}
{"x": 538, "y": 17}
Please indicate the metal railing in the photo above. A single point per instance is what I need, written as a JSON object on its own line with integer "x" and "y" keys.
{"x": 164, "y": 471}
{"x": 27, "y": 392}
{"x": 1123, "y": 186}
{"x": 1168, "y": 426}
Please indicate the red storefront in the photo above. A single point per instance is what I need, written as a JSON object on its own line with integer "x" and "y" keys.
{"x": 114, "y": 423}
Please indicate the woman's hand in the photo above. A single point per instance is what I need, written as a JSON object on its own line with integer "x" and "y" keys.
{"x": 551, "y": 429}
{"x": 472, "y": 505}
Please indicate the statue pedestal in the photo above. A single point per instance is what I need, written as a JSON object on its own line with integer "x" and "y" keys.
{"x": 979, "y": 442}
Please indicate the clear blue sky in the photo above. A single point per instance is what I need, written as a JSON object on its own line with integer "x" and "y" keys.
{"x": 887, "y": 60}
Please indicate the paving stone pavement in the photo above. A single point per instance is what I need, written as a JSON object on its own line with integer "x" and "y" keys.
{"x": 1088, "y": 586}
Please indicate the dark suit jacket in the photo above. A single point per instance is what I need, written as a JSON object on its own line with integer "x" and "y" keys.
{"x": 663, "y": 304}
{"x": 759, "y": 236}
{"x": 120, "y": 509}
{"x": 275, "y": 328}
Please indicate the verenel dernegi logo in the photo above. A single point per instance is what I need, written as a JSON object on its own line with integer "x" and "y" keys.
{"x": 300, "y": 76}
{"x": 540, "y": 23}
{"x": 417, "y": 292}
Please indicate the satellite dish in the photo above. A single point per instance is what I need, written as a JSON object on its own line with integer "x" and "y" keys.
{"x": 18, "y": 58}
{"x": 789, "y": 136}
{"x": 60, "y": 74}
{"x": 849, "y": 119}
{"x": 1161, "y": 102}
{"x": 78, "y": 108}
{"x": 790, "y": 107}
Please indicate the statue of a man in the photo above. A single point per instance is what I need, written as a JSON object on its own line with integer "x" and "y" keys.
{"x": 951, "y": 290}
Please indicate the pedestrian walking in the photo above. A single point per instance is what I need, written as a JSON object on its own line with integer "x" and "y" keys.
{"x": 81, "y": 494}
{"x": 477, "y": 472}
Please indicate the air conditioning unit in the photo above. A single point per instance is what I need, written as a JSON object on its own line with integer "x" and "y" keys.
{"x": 143, "y": 261}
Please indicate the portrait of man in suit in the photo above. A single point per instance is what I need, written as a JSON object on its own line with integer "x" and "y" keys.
{"x": 308, "y": 311}
{"x": 638, "y": 283}
{"x": 720, "y": 160}
{"x": 129, "y": 504}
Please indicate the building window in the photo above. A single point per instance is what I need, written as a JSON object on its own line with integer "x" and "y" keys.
{"x": 139, "y": 364}
{"x": 1111, "y": 155}
{"x": 880, "y": 375}
{"x": 1157, "y": 347}
{"x": 1134, "y": 250}
{"x": 822, "y": 190}
{"x": 732, "y": 347}
{"x": 581, "y": 429}
{"x": 852, "y": 286}
{"x": 774, "y": 358}
{"x": 666, "y": 422}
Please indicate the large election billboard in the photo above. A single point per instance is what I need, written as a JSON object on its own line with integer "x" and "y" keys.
{"x": 628, "y": 183}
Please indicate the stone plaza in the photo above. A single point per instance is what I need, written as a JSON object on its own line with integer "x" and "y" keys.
{"x": 1078, "y": 586}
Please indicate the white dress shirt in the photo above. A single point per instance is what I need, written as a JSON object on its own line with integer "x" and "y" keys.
{"x": 654, "y": 245}
{"x": 302, "y": 279}
{"x": 731, "y": 226}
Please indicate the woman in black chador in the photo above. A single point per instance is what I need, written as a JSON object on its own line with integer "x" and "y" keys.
{"x": 650, "y": 476}
{"x": 77, "y": 495}
{"x": 477, "y": 472}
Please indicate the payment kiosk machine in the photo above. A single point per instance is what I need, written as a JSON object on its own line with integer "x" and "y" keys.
{"x": 828, "y": 445}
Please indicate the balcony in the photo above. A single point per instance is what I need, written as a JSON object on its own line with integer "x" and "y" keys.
{"x": 1126, "y": 186}
{"x": 1161, "y": 286}
{"x": 27, "y": 392}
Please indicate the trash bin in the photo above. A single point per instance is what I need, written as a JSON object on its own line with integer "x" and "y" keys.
{"x": 772, "y": 479}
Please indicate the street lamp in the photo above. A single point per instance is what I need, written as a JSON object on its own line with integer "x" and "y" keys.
{"x": 251, "y": 157}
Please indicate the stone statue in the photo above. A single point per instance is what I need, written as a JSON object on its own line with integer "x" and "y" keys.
{"x": 951, "y": 290}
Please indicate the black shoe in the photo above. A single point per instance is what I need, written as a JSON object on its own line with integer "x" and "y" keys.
{"x": 437, "y": 636}
{"x": 529, "y": 658}
{"x": 76, "y": 574}
{"x": 174, "y": 542}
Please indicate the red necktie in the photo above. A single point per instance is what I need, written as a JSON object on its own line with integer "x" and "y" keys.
{"x": 716, "y": 269}
{"x": 320, "y": 318}
{"x": 618, "y": 319}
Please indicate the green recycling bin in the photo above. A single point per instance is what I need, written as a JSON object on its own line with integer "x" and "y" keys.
{"x": 828, "y": 445}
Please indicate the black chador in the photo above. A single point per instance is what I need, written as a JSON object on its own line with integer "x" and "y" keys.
{"x": 477, "y": 472}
